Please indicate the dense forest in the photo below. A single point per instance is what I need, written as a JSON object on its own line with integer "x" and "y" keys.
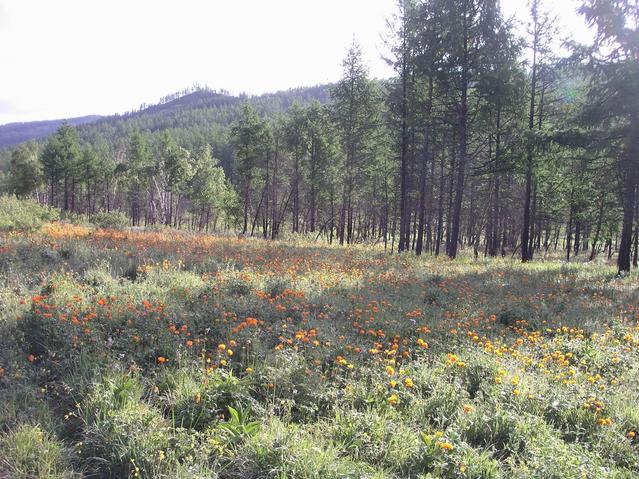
{"x": 483, "y": 140}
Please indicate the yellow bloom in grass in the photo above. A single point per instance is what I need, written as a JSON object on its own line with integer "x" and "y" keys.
{"x": 393, "y": 383}
{"x": 393, "y": 399}
{"x": 198, "y": 398}
{"x": 408, "y": 382}
{"x": 390, "y": 370}
{"x": 631, "y": 434}
{"x": 161, "y": 455}
{"x": 445, "y": 445}
{"x": 248, "y": 370}
{"x": 516, "y": 392}
{"x": 468, "y": 408}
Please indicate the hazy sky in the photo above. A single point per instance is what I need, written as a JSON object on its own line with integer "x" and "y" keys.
{"x": 65, "y": 58}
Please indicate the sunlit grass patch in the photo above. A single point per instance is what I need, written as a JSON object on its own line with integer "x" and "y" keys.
{"x": 167, "y": 354}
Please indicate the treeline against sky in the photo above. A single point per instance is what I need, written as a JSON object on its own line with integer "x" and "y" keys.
{"x": 482, "y": 140}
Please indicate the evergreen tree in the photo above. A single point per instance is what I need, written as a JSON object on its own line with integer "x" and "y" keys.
{"x": 613, "y": 103}
{"x": 25, "y": 171}
{"x": 356, "y": 115}
{"x": 249, "y": 136}
{"x": 60, "y": 159}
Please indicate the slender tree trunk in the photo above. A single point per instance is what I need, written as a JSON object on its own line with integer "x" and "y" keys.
{"x": 525, "y": 253}
{"x": 313, "y": 195}
{"x": 593, "y": 251}
{"x": 440, "y": 206}
{"x": 66, "y": 192}
{"x": 569, "y": 232}
{"x": 424, "y": 173}
{"x": 623, "y": 259}
{"x": 635, "y": 257}
{"x": 494, "y": 241}
{"x": 463, "y": 139}
{"x": 246, "y": 205}
{"x": 451, "y": 189}
{"x": 274, "y": 225}
{"x": 404, "y": 212}
{"x": 630, "y": 178}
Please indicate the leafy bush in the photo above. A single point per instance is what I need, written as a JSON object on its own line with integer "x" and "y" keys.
{"x": 29, "y": 452}
{"x": 124, "y": 435}
{"x": 110, "y": 219}
{"x": 24, "y": 215}
{"x": 281, "y": 450}
{"x": 196, "y": 404}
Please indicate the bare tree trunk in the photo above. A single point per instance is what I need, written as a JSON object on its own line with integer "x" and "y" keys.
{"x": 593, "y": 251}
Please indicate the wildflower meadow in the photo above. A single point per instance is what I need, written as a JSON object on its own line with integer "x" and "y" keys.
{"x": 165, "y": 354}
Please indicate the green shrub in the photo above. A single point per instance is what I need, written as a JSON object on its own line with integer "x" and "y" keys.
{"x": 281, "y": 450}
{"x": 496, "y": 431}
{"x": 28, "y": 452}
{"x": 199, "y": 403}
{"x": 380, "y": 439}
{"x": 22, "y": 404}
{"x": 445, "y": 457}
{"x": 439, "y": 405}
{"x": 290, "y": 390}
{"x": 24, "y": 215}
{"x": 110, "y": 219}
{"x": 122, "y": 435}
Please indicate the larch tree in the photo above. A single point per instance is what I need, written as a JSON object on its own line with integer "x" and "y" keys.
{"x": 25, "y": 171}
{"x": 355, "y": 111}
{"x": 613, "y": 106}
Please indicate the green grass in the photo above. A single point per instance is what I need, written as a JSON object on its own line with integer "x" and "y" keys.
{"x": 166, "y": 355}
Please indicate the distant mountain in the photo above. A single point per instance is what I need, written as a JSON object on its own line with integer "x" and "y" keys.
{"x": 193, "y": 117}
{"x": 15, "y": 133}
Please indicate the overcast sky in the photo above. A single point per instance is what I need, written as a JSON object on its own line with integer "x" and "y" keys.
{"x": 66, "y": 58}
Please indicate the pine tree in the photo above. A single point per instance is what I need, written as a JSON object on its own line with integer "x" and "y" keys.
{"x": 613, "y": 105}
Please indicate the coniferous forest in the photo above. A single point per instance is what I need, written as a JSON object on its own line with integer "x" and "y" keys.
{"x": 426, "y": 276}
{"x": 484, "y": 139}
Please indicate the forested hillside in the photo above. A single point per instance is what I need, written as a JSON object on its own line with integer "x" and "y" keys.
{"x": 194, "y": 116}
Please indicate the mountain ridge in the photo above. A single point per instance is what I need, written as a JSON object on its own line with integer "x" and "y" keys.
{"x": 18, "y": 132}
{"x": 203, "y": 108}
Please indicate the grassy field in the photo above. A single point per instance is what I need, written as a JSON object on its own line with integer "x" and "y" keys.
{"x": 161, "y": 354}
